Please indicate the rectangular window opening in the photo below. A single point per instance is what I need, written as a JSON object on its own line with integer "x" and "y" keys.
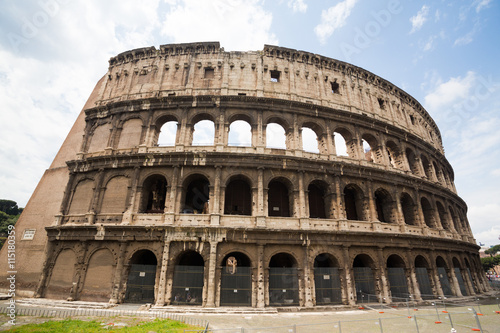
{"x": 335, "y": 87}
{"x": 209, "y": 73}
{"x": 29, "y": 234}
{"x": 275, "y": 76}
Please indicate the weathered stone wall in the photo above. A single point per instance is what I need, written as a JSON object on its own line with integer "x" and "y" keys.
{"x": 123, "y": 202}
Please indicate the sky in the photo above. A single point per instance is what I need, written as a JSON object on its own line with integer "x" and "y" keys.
{"x": 444, "y": 53}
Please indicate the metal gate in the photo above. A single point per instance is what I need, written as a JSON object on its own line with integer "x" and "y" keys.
{"x": 424, "y": 283}
{"x": 445, "y": 282}
{"x": 397, "y": 281}
{"x": 141, "y": 284}
{"x": 460, "y": 279}
{"x": 365, "y": 284}
{"x": 236, "y": 289}
{"x": 283, "y": 286}
{"x": 187, "y": 286}
{"x": 327, "y": 283}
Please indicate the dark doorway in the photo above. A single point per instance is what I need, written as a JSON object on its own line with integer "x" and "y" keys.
{"x": 316, "y": 202}
{"x": 236, "y": 280}
{"x": 238, "y": 199}
{"x": 141, "y": 278}
{"x": 188, "y": 281}
{"x": 154, "y": 194}
{"x": 327, "y": 280}
{"x": 351, "y": 203}
{"x": 397, "y": 278}
{"x": 424, "y": 282}
{"x": 283, "y": 280}
{"x": 443, "y": 276}
{"x": 278, "y": 199}
{"x": 364, "y": 279}
{"x": 197, "y": 195}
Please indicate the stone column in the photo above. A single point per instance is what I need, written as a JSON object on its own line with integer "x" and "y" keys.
{"x": 350, "y": 286}
{"x": 214, "y": 205}
{"x": 454, "y": 278}
{"x": 413, "y": 277}
{"x": 435, "y": 276}
{"x": 302, "y": 209}
{"x": 212, "y": 265}
{"x": 160, "y": 298}
{"x": 117, "y": 278}
{"x": 373, "y": 216}
{"x": 383, "y": 277}
{"x": 260, "y": 277}
{"x": 260, "y": 209}
{"x": 308, "y": 299}
{"x": 338, "y": 202}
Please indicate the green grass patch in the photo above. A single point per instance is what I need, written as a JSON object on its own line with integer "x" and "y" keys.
{"x": 81, "y": 326}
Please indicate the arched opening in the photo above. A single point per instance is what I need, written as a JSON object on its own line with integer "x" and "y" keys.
{"x": 340, "y": 144}
{"x": 428, "y": 213}
{"x": 240, "y": 134}
{"x": 364, "y": 278}
{"x": 422, "y": 271}
{"x": 412, "y": 161}
{"x": 100, "y": 138}
{"x": 384, "y": 205}
{"x": 443, "y": 276}
{"x": 316, "y": 196}
{"x": 168, "y": 133}
{"x": 203, "y": 133}
{"x": 236, "y": 280}
{"x": 327, "y": 280}
{"x": 80, "y": 201}
{"x": 409, "y": 209}
{"x": 438, "y": 174}
{"x": 454, "y": 219}
{"x": 469, "y": 274}
{"x": 283, "y": 280}
{"x": 114, "y": 200}
{"x": 353, "y": 203}
{"x": 130, "y": 135}
{"x": 309, "y": 140}
{"x": 457, "y": 267}
{"x": 278, "y": 199}
{"x": 154, "y": 192}
{"x": 397, "y": 278}
{"x": 427, "y": 167}
{"x": 370, "y": 148}
{"x": 61, "y": 277}
{"x": 275, "y": 136}
{"x": 99, "y": 277}
{"x": 187, "y": 288}
{"x": 367, "y": 151}
{"x": 196, "y": 195}
{"x": 443, "y": 216}
{"x": 238, "y": 198}
{"x": 394, "y": 154}
{"x": 141, "y": 278}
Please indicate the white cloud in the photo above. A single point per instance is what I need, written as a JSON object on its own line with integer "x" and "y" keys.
{"x": 333, "y": 18}
{"x": 418, "y": 20}
{"x": 481, "y": 4}
{"x": 47, "y": 77}
{"x": 297, "y": 5}
{"x": 239, "y": 25}
{"x": 464, "y": 40}
{"x": 450, "y": 92}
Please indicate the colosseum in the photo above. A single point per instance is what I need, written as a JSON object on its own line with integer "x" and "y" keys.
{"x": 141, "y": 205}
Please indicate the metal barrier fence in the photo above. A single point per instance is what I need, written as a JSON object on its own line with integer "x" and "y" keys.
{"x": 65, "y": 313}
{"x": 439, "y": 316}
{"x": 495, "y": 284}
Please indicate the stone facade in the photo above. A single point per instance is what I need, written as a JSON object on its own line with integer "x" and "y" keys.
{"x": 118, "y": 217}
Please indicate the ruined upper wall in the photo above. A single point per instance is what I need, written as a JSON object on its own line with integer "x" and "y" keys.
{"x": 206, "y": 69}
